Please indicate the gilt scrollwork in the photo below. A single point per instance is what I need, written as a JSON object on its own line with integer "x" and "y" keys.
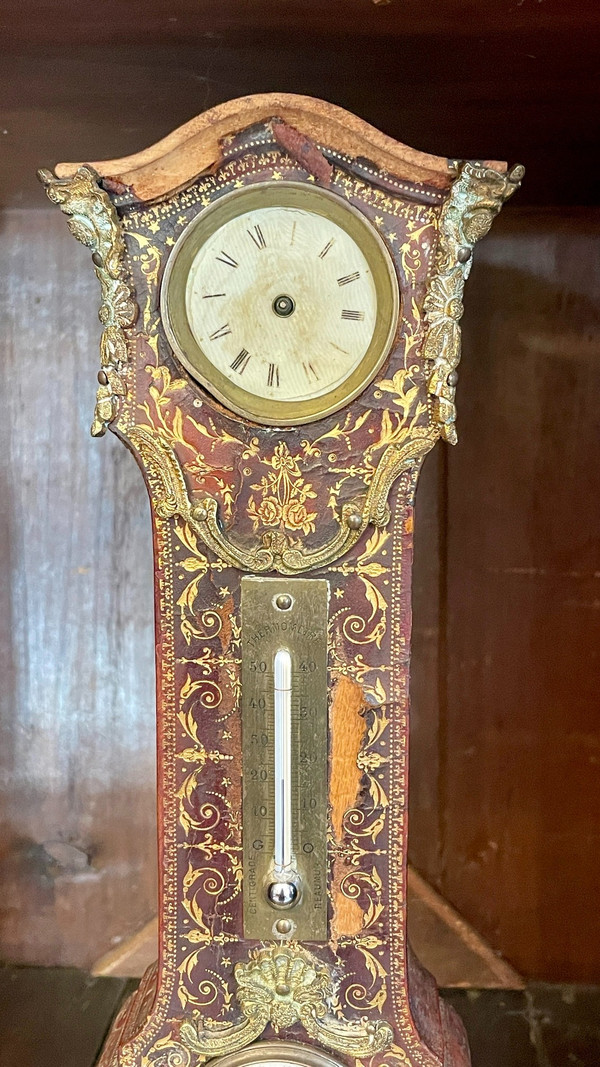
{"x": 283, "y": 985}
{"x": 395, "y": 460}
{"x": 276, "y": 551}
{"x": 476, "y": 197}
{"x": 93, "y": 220}
{"x": 166, "y": 1053}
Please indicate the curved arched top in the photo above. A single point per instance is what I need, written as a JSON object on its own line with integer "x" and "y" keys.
{"x": 196, "y": 147}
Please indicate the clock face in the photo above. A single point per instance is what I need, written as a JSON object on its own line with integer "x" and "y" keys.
{"x": 282, "y": 300}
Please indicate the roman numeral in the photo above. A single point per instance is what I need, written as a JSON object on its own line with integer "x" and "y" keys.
{"x": 221, "y": 332}
{"x": 258, "y": 237}
{"x": 310, "y": 372}
{"x": 325, "y": 250}
{"x": 354, "y": 316}
{"x": 333, "y": 345}
{"x": 209, "y": 296}
{"x": 241, "y": 361}
{"x": 294, "y": 224}
{"x": 228, "y": 260}
{"x": 273, "y": 376}
{"x": 347, "y": 278}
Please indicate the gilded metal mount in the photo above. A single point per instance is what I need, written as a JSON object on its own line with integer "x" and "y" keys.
{"x": 283, "y": 985}
{"x": 93, "y": 220}
{"x": 275, "y": 552}
{"x": 476, "y": 196}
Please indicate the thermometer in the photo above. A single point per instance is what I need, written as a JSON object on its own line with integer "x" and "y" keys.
{"x": 284, "y": 749}
{"x": 284, "y": 891}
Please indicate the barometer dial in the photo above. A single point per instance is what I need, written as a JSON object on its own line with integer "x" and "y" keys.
{"x": 282, "y": 301}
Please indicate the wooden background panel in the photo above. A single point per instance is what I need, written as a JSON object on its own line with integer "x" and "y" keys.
{"x": 517, "y": 81}
{"x": 77, "y": 778}
{"x": 184, "y": 20}
{"x": 519, "y": 719}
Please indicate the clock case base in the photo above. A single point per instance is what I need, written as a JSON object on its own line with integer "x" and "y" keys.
{"x": 334, "y": 500}
{"x": 439, "y": 1027}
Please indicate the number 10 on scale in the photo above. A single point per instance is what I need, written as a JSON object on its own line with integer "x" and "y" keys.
{"x": 284, "y": 740}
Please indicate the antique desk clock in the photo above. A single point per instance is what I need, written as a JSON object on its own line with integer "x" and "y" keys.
{"x": 281, "y": 295}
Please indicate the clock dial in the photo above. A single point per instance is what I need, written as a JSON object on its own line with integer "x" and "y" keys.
{"x": 282, "y": 300}
{"x": 294, "y": 305}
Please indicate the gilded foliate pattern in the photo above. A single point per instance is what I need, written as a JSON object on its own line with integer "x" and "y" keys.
{"x": 93, "y": 220}
{"x": 475, "y": 199}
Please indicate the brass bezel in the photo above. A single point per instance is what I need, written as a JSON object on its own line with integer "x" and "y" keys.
{"x": 267, "y": 1051}
{"x": 188, "y": 351}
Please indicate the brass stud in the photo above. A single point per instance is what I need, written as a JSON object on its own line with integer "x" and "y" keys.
{"x": 354, "y": 520}
{"x": 103, "y": 377}
{"x": 464, "y": 254}
{"x": 283, "y": 601}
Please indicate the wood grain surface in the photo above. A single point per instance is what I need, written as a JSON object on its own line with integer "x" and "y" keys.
{"x": 144, "y": 20}
{"x": 76, "y": 624}
{"x": 512, "y": 776}
{"x": 197, "y": 146}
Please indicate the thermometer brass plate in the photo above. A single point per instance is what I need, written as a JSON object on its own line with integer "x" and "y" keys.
{"x": 286, "y": 613}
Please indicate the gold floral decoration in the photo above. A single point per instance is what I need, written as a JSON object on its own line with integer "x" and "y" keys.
{"x": 284, "y": 494}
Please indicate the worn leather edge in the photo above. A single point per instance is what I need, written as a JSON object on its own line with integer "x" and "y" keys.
{"x": 196, "y": 147}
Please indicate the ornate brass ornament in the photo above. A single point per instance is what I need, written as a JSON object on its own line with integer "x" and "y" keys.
{"x": 93, "y": 220}
{"x": 283, "y": 985}
{"x": 395, "y": 461}
{"x": 276, "y": 552}
{"x": 476, "y": 197}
